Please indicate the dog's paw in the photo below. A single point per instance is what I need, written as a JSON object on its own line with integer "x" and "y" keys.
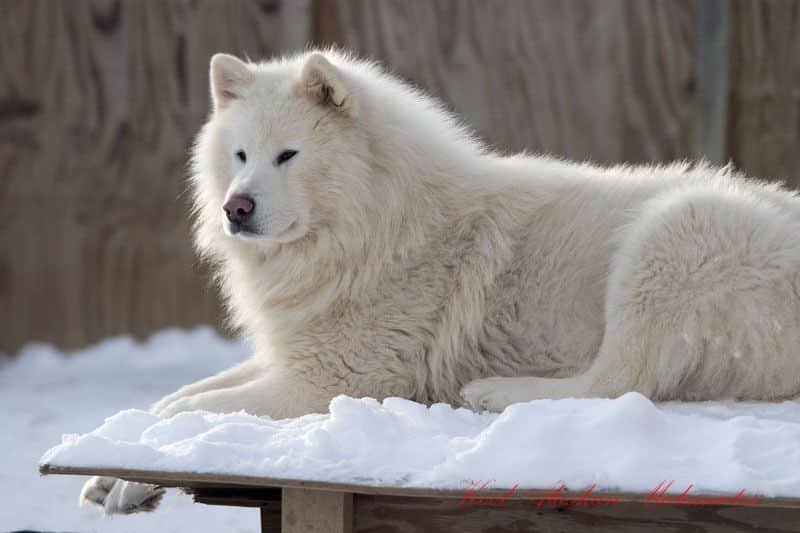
{"x": 159, "y": 407}
{"x": 116, "y": 496}
{"x": 95, "y": 491}
{"x": 170, "y": 405}
{"x": 168, "y": 410}
{"x": 486, "y": 395}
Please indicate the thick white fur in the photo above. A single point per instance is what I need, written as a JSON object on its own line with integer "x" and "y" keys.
{"x": 397, "y": 256}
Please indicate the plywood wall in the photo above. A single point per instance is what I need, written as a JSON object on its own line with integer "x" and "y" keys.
{"x": 609, "y": 81}
{"x": 764, "y": 112}
{"x": 99, "y": 101}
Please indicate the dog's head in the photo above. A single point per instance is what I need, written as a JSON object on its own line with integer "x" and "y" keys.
{"x": 276, "y": 159}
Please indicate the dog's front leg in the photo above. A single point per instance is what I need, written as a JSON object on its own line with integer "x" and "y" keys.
{"x": 251, "y": 386}
{"x": 278, "y": 393}
{"x": 243, "y": 372}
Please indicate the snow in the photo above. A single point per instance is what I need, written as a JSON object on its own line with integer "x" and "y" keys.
{"x": 45, "y": 393}
{"x": 626, "y": 444}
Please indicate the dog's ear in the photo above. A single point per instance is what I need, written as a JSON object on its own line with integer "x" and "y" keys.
{"x": 324, "y": 83}
{"x": 229, "y": 77}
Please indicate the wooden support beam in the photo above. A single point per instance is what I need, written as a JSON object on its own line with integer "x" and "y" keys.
{"x": 316, "y": 511}
{"x": 271, "y": 518}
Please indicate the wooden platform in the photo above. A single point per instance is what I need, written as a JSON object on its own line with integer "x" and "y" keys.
{"x": 295, "y": 506}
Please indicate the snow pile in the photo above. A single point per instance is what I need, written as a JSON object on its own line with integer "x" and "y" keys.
{"x": 45, "y": 393}
{"x": 626, "y": 444}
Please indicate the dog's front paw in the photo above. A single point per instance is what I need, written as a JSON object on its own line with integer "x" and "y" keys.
{"x": 486, "y": 395}
{"x": 174, "y": 407}
{"x": 116, "y": 496}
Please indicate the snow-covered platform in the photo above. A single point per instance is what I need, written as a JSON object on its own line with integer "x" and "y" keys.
{"x": 401, "y": 466}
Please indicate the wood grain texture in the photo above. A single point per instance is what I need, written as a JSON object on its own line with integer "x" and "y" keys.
{"x": 258, "y": 488}
{"x": 387, "y": 509}
{"x": 99, "y": 102}
{"x": 395, "y": 514}
{"x": 764, "y": 121}
{"x": 316, "y": 511}
{"x": 608, "y": 81}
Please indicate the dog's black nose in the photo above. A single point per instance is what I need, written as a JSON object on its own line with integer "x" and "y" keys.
{"x": 239, "y": 208}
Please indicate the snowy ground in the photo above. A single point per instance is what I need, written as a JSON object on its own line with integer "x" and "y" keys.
{"x": 625, "y": 444}
{"x": 44, "y": 394}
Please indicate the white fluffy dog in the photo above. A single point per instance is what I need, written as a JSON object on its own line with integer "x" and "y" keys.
{"x": 369, "y": 245}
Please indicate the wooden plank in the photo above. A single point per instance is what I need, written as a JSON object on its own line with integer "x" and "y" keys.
{"x": 99, "y": 102}
{"x": 316, "y": 511}
{"x": 611, "y": 81}
{"x": 194, "y": 480}
{"x": 764, "y": 121}
{"x": 389, "y": 514}
{"x": 712, "y": 80}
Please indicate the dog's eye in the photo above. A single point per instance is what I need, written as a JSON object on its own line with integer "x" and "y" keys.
{"x": 284, "y": 156}
{"x": 242, "y": 156}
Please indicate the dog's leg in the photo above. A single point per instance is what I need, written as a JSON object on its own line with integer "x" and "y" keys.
{"x": 278, "y": 394}
{"x": 117, "y": 496}
{"x": 608, "y": 377}
{"x": 701, "y": 301}
{"x": 275, "y": 393}
{"x": 245, "y": 371}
